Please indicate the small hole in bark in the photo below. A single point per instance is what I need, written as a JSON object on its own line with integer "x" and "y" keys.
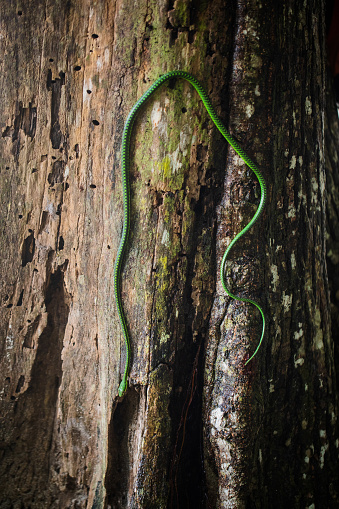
{"x": 28, "y": 249}
{"x": 95, "y": 122}
{"x": 9, "y": 306}
{"x": 30, "y": 230}
{"x": 13, "y": 398}
{"x": 89, "y": 91}
{"x": 66, "y": 186}
{"x": 183, "y": 110}
{"x": 108, "y": 247}
{"x": 61, "y": 243}
{"x": 95, "y": 36}
{"x": 7, "y": 167}
{"x": 51, "y": 59}
{"x": 6, "y": 297}
{"x": 77, "y": 68}
{"x": 20, "y": 298}
{"x": 53, "y": 157}
{"x": 29, "y": 321}
{"x": 34, "y": 170}
{"x": 20, "y": 384}
{"x": 92, "y": 186}
{"x": 20, "y": 216}
{"x": 19, "y": 13}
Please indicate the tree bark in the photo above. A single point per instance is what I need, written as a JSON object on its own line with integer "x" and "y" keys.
{"x": 196, "y": 428}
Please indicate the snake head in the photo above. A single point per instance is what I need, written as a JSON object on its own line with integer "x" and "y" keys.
{"x": 122, "y": 387}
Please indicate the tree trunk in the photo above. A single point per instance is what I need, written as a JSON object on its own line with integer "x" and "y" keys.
{"x": 196, "y": 428}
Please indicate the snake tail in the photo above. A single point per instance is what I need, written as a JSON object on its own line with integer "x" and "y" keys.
{"x": 125, "y": 163}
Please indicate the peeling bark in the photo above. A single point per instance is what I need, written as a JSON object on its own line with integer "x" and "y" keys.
{"x": 196, "y": 428}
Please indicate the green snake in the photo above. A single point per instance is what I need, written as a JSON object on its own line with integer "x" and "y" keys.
{"x": 125, "y": 161}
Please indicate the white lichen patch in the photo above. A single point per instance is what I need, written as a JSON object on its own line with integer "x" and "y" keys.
{"x": 216, "y": 418}
{"x": 299, "y": 333}
{"x": 180, "y": 152}
{"x": 238, "y": 161}
{"x": 164, "y": 338}
{"x": 312, "y": 506}
{"x": 257, "y": 91}
{"x": 293, "y": 261}
{"x": 322, "y": 433}
{"x": 156, "y": 114}
{"x": 99, "y": 64}
{"x": 315, "y": 188}
{"x": 286, "y": 302}
{"x": 291, "y": 213}
{"x": 256, "y": 61}
{"x": 223, "y": 366}
{"x": 318, "y": 337}
{"x": 298, "y": 362}
{"x": 308, "y": 106}
{"x": 275, "y": 277}
{"x": 271, "y": 388}
{"x": 165, "y": 238}
{"x": 323, "y": 450}
{"x": 304, "y": 424}
{"x": 294, "y": 117}
{"x": 249, "y": 110}
{"x": 260, "y": 456}
{"x": 300, "y": 160}
{"x": 176, "y": 161}
{"x": 293, "y": 162}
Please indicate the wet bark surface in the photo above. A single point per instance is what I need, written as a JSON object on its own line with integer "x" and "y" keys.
{"x": 196, "y": 427}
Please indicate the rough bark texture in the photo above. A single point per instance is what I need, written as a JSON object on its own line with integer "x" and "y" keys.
{"x": 196, "y": 428}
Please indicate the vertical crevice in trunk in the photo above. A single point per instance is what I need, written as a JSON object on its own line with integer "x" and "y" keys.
{"x": 35, "y": 407}
{"x": 332, "y": 212}
{"x": 124, "y": 436}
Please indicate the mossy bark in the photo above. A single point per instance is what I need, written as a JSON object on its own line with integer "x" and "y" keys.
{"x": 196, "y": 427}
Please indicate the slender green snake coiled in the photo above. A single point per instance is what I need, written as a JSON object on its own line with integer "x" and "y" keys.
{"x": 125, "y": 153}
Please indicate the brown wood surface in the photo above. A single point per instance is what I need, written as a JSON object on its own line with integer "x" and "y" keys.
{"x": 196, "y": 427}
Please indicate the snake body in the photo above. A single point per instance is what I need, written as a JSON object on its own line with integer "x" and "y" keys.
{"x": 125, "y": 160}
